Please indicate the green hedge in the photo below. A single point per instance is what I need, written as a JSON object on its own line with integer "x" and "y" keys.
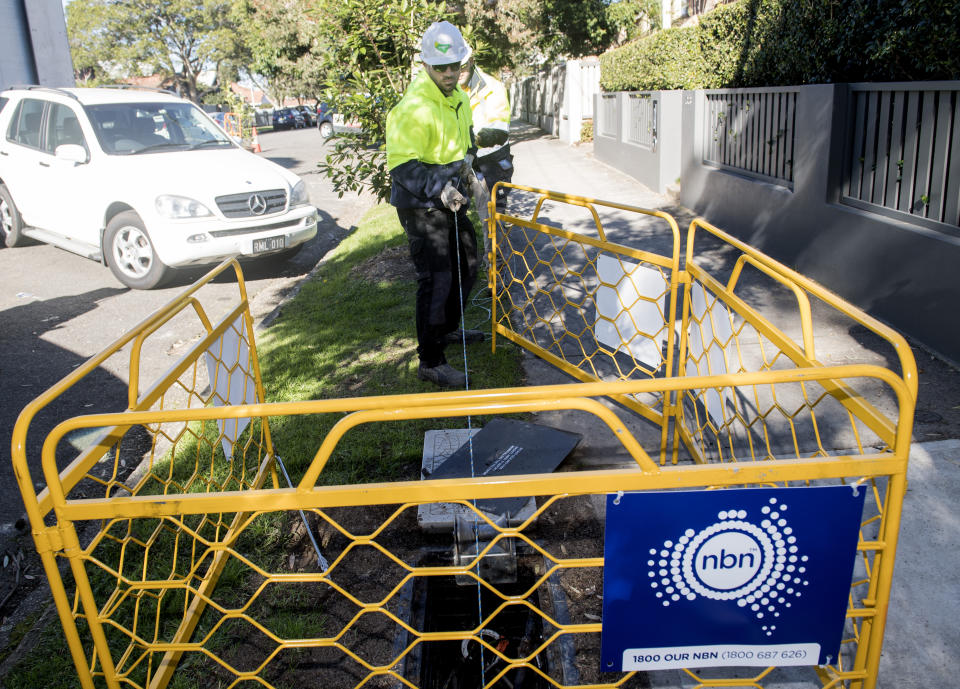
{"x": 669, "y": 59}
{"x": 783, "y": 42}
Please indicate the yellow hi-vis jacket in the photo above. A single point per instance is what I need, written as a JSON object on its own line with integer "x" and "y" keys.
{"x": 490, "y": 106}
{"x": 428, "y": 134}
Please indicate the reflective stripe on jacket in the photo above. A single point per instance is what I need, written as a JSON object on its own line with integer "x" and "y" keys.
{"x": 489, "y": 105}
{"x": 428, "y": 134}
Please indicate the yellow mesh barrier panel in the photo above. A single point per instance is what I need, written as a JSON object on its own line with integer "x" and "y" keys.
{"x": 174, "y": 577}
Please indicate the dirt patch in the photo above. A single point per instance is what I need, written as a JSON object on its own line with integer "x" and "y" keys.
{"x": 390, "y": 265}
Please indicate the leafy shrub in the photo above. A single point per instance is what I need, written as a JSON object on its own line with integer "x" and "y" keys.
{"x": 785, "y": 42}
{"x": 586, "y": 130}
{"x": 890, "y": 40}
{"x": 669, "y": 59}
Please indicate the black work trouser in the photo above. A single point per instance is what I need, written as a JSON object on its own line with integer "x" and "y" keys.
{"x": 433, "y": 235}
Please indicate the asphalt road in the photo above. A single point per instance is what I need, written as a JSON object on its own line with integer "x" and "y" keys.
{"x": 58, "y": 309}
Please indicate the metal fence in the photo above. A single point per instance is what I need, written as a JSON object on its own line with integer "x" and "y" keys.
{"x": 606, "y": 119}
{"x": 873, "y": 176}
{"x": 903, "y": 147}
{"x": 639, "y": 133}
{"x": 641, "y": 124}
{"x": 590, "y": 85}
{"x": 171, "y": 580}
{"x": 537, "y": 99}
{"x": 752, "y": 131}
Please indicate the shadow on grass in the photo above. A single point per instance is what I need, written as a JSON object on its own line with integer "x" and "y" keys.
{"x": 347, "y": 334}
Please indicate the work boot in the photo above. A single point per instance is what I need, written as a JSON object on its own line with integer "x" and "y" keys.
{"x": 444, "y": 375}
{"x": 456, "y": 337}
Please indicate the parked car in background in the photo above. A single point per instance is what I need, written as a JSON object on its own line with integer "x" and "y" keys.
{"x": 324, "y": 120}
{"x": 141, "y": 180}
{"x": 330, "y": 122}
{"x": 309, "y": 114}
{"x": 288, "y": 118}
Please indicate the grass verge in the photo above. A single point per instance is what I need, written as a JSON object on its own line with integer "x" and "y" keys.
{"x": 350, "y": 332}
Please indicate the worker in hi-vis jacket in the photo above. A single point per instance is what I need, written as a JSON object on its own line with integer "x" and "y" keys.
{"x": 429, "y": 154}
{"x": 491, "y": 125}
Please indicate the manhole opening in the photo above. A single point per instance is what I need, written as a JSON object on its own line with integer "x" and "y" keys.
{"x": 441, "y": 604}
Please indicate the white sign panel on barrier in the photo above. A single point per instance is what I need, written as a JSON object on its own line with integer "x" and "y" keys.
{"x": 710, "y": 331}
{"x": 228, "y": 360}
{"x": 630, "y": 309}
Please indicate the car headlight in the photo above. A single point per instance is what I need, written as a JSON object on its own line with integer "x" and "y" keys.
{"x": 180, "y": 207}
{"x": 298, "y": 197}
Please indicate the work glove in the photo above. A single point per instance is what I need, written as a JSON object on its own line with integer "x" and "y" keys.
{"x": 481, "y": 199}
{"x": 466, "y": 168}
{"x": 491, "y": 137}
{"x": 451, "y": 198}
{"x": 481, "y": 196}
{"x": 485, "y": 138}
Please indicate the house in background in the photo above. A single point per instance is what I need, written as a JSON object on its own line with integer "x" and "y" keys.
{"x": 685, "y": 12}
{"x": 152, "y": 81}
{"x": 251, "y": 95}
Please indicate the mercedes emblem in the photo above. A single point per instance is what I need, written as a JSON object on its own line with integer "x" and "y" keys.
{"x": 257, "y": 204}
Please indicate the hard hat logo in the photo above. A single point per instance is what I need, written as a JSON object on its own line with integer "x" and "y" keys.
{"x": 442, "y": 44}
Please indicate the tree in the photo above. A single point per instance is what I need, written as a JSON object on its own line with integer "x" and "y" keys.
{"x": 285, "y": 45}
{"x": 85, "y": 30}
{"x": 500, "y": 33}
{"x": 175, "y": 38}
{"x": 629, "y": 19}
{"x": 523, "y": 34}
{"x": 360, "y": 57}
{"x": 369, "y": 63}
{"x": 574, "y": 28}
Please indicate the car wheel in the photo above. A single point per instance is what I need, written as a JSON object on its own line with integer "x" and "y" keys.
{"x": 130, "y": 253}
{"x": 11, "y": 224}
{"x": 326, "y": 129}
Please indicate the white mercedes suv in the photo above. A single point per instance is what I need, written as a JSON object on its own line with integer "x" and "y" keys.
{"x": 142, "y": 180}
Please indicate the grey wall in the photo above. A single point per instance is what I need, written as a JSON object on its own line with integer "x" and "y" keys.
{"x": 904, "y": 274}
{"x": 655, "y": 166}
{"x": 33, "y": 44}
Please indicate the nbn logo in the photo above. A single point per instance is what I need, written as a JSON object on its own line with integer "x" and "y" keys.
{"x": 725, "y": 560}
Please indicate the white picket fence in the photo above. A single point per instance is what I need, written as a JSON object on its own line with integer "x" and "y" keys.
{"x": 558, "y": 99}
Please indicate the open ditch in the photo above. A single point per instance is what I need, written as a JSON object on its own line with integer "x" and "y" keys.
{"x": 442, "y": 604}
{"x": 569, "y": 528}
{"x": 431, "y": 603}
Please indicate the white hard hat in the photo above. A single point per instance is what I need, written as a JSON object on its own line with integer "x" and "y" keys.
{"x": 442, "y": 44}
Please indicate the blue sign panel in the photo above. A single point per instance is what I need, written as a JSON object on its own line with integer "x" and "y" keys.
{"x": 744, "y": 577}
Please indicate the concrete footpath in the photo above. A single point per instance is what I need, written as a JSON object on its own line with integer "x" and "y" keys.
{"x": 922, "y": 643}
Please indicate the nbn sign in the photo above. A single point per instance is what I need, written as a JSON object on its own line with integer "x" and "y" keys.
{"x": 725, "y": 560}
{"x": 765, "y": 572}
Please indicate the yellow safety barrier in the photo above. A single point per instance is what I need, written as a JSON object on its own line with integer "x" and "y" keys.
{"x": 168, "y": 577}
{"x": 232, "y": 124}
